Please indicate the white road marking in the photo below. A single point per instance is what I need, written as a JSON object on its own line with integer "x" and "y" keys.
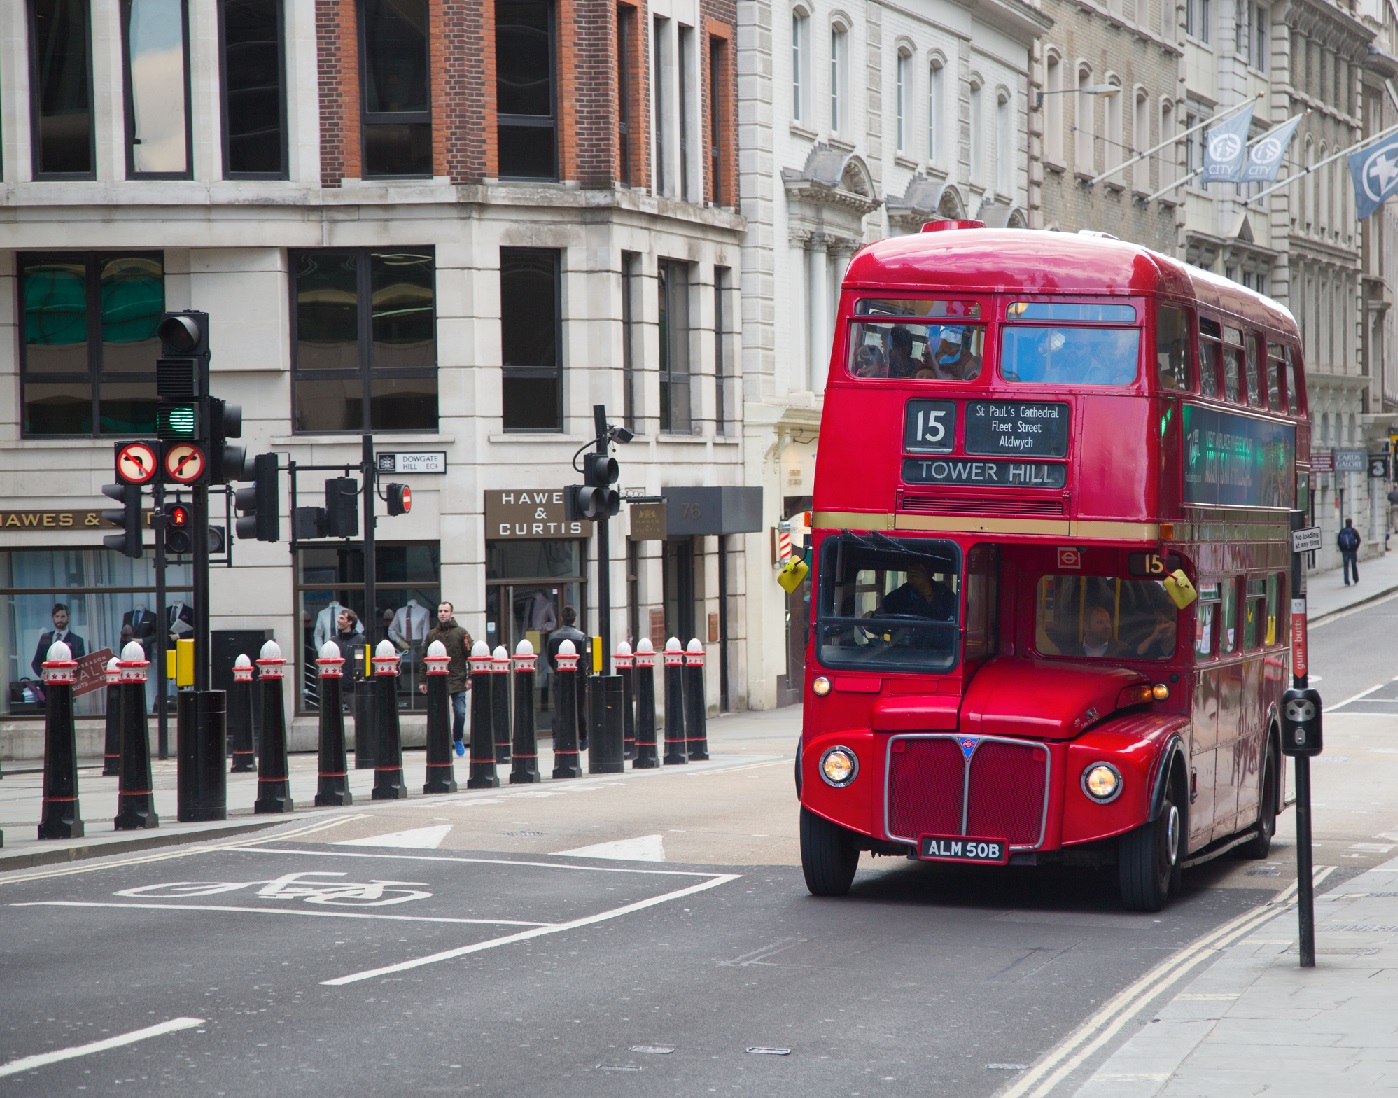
{"x": 417, "y": 838}
{"x": 646, "y": 848}
{"x": 43, "y": 1059}
{"x": 479, "y": 947}
{"x": 1360, "y": 695}
{"x": 1078, "y": 1046}
{"x": 483, "y": 861}
{"x": 282, "y": 911}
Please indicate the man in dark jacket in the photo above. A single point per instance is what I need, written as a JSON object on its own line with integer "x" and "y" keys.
{"x": 59, "y": 632}
{"x": 458, "y": 645}
{"x": 1348, "y": 541}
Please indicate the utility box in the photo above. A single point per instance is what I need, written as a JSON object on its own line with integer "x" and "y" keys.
{"x": 1300, "y": 723}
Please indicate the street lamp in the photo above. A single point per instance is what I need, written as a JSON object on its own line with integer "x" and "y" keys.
{"x": 1086, "y": 89}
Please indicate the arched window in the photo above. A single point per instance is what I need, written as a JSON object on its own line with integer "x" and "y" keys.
{"x": 903, "y": 75}
{"x": 839, "y": 78}
{"x": 1140, "y": 140}
{"x": 1322, "y": 209}
{"x": 800, "y": 65}
{"x": 936, "y": 108}
{"x": 1167, "y": 128}
{"x": 1052, "y": 107}
{"x": 1307, "y": 185}
{"x": 1084, "y": 138}
{"x": 1114, "y": 144}
{"x": 976, "y": 137}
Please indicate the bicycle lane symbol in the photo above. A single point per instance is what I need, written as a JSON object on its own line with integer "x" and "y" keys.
{"x": 291, "y": 886}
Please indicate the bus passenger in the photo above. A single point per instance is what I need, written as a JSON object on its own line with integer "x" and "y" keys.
{"x": 1097, "y": 640}
{"x": 922, "y": 596}
{"x": 869, "y": 361}
{"x": 1159, "y": 643}
{"x": 900, "y": 353}
{"x": 953, "y": 359}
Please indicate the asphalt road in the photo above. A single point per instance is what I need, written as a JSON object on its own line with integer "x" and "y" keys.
{"x": 640, "y": 934}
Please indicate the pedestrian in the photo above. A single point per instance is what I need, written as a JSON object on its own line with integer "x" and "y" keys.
{"x": 458, "y": 645}
{"x": 349, "y": 639}
{"x": 1348, "y": 541}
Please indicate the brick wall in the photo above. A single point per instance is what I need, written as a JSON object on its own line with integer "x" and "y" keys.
{"x": 463, "y": 90}
{"x": 720, "y": 84}
{"x": 337, "y": 68}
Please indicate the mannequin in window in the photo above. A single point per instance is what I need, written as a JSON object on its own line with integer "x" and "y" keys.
{"x": 142, "y": 623}
{"x": 179, "y": 621}
{"x": 409, "y": 626}
{"x": 327, "y": 625}
{"x": 59, "y": 632}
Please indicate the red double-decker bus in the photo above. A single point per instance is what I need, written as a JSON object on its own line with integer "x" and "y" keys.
{"x": 1051, "y": 555}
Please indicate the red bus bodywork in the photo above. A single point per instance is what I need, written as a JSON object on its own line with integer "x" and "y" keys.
{"x": 998, "y": 746}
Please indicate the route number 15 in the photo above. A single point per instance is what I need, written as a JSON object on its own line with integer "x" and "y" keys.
{"x": 929, "y": 426}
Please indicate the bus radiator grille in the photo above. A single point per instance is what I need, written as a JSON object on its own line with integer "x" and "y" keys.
{"x": 1004, "y": 783}
{"x": 937, "y": 503}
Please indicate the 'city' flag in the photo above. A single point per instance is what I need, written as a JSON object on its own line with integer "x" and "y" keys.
{"x": 1267, "y": 153}
{"x": 1225, "y": 149}
{"x": 1375, "y": 174}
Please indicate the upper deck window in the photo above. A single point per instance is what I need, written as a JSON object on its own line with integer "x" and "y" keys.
{"x": 1293, "y": 395}
{"x": 894, "y": 306}
{"x": 1210, "y": 351}
{"x": 1172, "y": 348}
{"x": 933, "y": 352}
{"x": 1232, "y": 364}
{"x": 1276, "y": 366}
{"x": 1082, "y": 312}
{"x": 1104, "y": 617}
{"x": 1030, "y": 354}
{"x": 888, "y": 604}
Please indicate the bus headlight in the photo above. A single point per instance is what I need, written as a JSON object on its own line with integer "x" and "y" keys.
{"x": 1102, "y": 782}
{"x": 838, "y": 766}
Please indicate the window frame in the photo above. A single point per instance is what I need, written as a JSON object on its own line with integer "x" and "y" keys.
{"x": 665, "y": 289}
{"x": 365, "y": 370}
{"x": 368, "y": 118}
{"x": 224, "y": 136}
{"x": 35, "y": 87}
{"x": 129, "y": 102}
{"x": 534, "y": 372}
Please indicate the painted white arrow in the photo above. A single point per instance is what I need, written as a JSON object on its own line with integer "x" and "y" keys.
{"x": 646, "y": 848}
{"x": 417, "y": 838}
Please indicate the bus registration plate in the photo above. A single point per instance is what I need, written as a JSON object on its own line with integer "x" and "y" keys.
{"x": 961, "y": 848}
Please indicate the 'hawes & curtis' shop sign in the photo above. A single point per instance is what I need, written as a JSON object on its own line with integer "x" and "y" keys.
{"x": 530, "y": 513}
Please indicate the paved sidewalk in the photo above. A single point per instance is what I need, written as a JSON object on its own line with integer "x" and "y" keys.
{"x": 1326, "y": 592}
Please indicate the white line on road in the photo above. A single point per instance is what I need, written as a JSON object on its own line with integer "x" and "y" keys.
{"x": 282, "y": 911}
{"x": 1361, "y": 694}
{"x": 480, "y": 947}
{"x": 43, "y": 1059}
{"x": 478, "y": 861}
{"x": 1339, "y": 615}
{"x": 1078, "y": 1046}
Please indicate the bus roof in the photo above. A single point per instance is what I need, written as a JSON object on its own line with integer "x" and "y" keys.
{"x": 1036, "y": 261}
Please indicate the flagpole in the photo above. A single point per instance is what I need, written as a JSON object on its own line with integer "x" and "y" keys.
{"x": 1155, "y": 149}
{"x": 1320, "y": 164}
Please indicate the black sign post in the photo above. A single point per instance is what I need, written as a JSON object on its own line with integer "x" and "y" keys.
{"x": 1301, "y": 740}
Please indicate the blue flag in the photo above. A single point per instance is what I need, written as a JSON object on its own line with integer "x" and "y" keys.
{"x": 1267, "y": 153}
{"x": 1225, "y": 149}
{"x": 1375, "y": 174}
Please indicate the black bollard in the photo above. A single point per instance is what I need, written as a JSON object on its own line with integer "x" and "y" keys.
{"x": 240, "y": 718}
{"x": 441, "y": 775}
{"x": 565, "y": 718}
{"x": 135, "y": 796}
{"x": 500, "y": 703}
{"x": 59, "y": 817}
{"x": 525, "y": 770}
{"x": 605, "y": 753}
{"x": 273, "y": 775}
{"x": 696, "y": 718}
{"x": 647, "y": 757}
{"x": 623, "y": 660}
{"x": 201, "y": 746}
{"x": 111, "y": 750}
{"x": 388, "y": 757}
{"x": 332, "y": 770}
{"x": 674, "y": 703}
{"x": 483, "y": 774}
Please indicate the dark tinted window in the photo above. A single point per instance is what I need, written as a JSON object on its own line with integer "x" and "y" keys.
{"x": 524, "y": 89}
{"x": 253, "y": 99}
{"x": 60, "y": 85}
{"x": 396, "y": 120}
{"x": 530, "y": 332}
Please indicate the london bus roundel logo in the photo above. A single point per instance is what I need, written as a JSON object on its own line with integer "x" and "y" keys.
{"x": 1380, "y": 172}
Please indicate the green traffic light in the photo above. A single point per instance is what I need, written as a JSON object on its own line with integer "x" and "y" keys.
{"x": 176, "y": 421}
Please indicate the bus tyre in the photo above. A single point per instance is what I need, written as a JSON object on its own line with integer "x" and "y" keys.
{"x": 1149, "y": 859}
{"x": 829, "y": 855}
{"x": 1260, "y": 845}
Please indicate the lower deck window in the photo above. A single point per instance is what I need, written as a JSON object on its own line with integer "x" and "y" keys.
{"x": 1104, "y": 617}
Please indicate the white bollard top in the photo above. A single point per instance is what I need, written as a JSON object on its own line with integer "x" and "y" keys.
{"x": 59, "y": 652}
{"x": 436, "y": 651}
{"x": 644, "y": 645}
{"x": 480, "y": 650}
{"x": 133, "y": 653}
{"x": 113, "y": 664}
{"x": 499, "y": 653}
{"x": 523, "y": 648}
{"x": 567, "y": 648}
{"x": 242, "y": 661}
{"x": 384, "y": 650}
{"x": 270, "y": 651}
{"x": 328, "y": 651}
{"x": 673, "y": 645}
{"x": 623, "y": 649}
{"x": 694, "y": 645}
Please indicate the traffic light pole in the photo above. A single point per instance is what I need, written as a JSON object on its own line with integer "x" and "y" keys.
{"x": 199, "y": 516}
{"x": 604, "y": 553}
{"x": 162, "y": 638}
{"x": 371, "y": 490}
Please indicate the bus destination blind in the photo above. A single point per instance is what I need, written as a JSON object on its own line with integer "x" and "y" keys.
{"x": 1009, "y": 428}
{"x": 983, "y": 473}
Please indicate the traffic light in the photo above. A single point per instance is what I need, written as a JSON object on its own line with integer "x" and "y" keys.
{"x": 259, "y": 507}
{"x": 342, "y": 507}
{"x": 179, "y": 535}
{"x": 225, "y": 462}
{"x": 400, "y": 499}
{"x": 128, "y": 542}
{"x": 182, "y": 376}
{"x": 595, "y": 497}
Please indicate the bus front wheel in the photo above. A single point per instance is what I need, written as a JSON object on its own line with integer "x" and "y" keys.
{"x": 829, "y": 855}
{"x": 1149, "y": 858}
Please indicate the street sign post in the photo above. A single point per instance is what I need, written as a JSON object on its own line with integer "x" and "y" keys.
{"x": 411, "y": 461}
{"x": 1305, "y": 895}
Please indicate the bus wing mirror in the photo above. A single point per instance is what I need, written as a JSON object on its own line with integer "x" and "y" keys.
{"x": 793, "y": 574}
{"x": 1180, "y": 590}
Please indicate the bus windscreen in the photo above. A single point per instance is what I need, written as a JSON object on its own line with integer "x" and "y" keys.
{"x": 1034, "y": 354}
{"x": 888, "y": 604}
